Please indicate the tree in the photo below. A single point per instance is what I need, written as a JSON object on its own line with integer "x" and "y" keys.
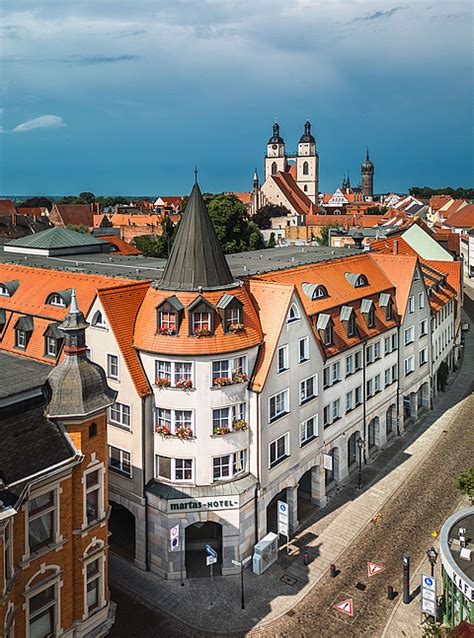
{"x": 229, "y": 217}
{"x": 263, "y": 216}
{"x": 425, "y": 192}
{"x": 465, "y": 483}
{"x": 376, "y": 210}
{"x": 271, "y": 241}
{"x": 86, "y": 198}
{"x": 34, "y": 202}
{"x": 324, "y": 237}
{"x": 148, "y": 245}
{"x": 158, "y": 245}
{"x": 79, "y": 228}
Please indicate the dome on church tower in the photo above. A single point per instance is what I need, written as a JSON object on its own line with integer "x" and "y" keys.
{"x": 276, "y": 137}
{"x": 367, "y": 165}
{"x": 307, "y": 137}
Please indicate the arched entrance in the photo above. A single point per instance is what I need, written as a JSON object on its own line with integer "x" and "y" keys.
{"x": 197, "y": 536}
{"x": 272, "y": 525}
{"x": 390, "y": 419}
{"x": 373, "y": 432}
{"x": 122, "y": 531}
{"x": 352, "y": 450}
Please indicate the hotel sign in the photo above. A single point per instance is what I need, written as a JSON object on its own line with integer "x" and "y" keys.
{"x": 205, "y": 504}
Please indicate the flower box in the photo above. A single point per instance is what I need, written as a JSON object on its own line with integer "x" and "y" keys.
{"x": 219, "y": 382}
{"x": 202, "y": 332}
{"x": 221, "y": 430}
{"x": 236, "y": 327}
{"x": 184, "y": 433}
{"x": 163, "y": 431}
{"x": 184, "y": 384}
{"x": 239, "y": 377}
{"x": 240, "y": 424}
{"x": 162, "y": 382}
{"x": 169, "y": 332}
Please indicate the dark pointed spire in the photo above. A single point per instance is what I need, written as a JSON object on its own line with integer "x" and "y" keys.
{"x": 77, "y": 387}
{"x": 197, "y": 259}
{"x": 307, "y": 137}
{"x": 367, "y": 154}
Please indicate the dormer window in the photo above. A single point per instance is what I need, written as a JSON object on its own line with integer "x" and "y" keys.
{"x": 348, "y": 320}
{"x": 293, "y": 314}
{"x": 3, "y": 291}
{"x": 314, "y": 291}
{"x": 62, "y": 298}
{"x": 201, "y": 322}
{"x": 230, "y": 310}
{"x": 368, "y": 311}
{"x": 385, "y": 301}
{"x": 53, "y": 338}
{"x": 356, "y": 280}
{"x": 169, "y": 315}
{"x": 3, "y": 319}
{"x": 325, "y": 328}
{"x": 98, "y": 320}
{"x": 23, "y": 329}
{"x": 8, "y": 288}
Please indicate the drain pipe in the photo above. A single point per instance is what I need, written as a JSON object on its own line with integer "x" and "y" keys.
{"x": 257, "y": 486}
{"x": 364, "y": 394}
{"x": 145, "y": 496}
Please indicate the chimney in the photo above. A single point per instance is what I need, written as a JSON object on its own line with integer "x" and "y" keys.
{"x": 395, "y": 246}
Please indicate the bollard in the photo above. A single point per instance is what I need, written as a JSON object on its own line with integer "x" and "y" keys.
{"x": 390, "y": 592}
{"x": 332, "y": 571}
{"x": 406, "y": 578}
{"x": 306, "y": 558}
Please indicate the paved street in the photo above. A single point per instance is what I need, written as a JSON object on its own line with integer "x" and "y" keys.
{"x": 431, "y": 456}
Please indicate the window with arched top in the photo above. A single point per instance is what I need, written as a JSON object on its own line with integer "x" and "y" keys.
{"x": 305, "y": 168}
{"x": 305, "y": 188}
{"x": 320, "y": 292}
{"x": 98, "y": 320}
{"x": 4, "y": 291}
{"x": 274, "y": 168}
{"x": 361, "y": 281}
{"x": 56, "y": 300}
{"x": 293, "y": 314}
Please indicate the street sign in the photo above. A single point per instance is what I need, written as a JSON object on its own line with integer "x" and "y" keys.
{"x": 211, "y": 552}
{"x": 283, "y": 518}
{"x": 373, "y": 569}
{"x": 174, "y": 538}
{"x": 346, "y": 606}
{"x": 428, "y": 607}
{"x": 428, "y": 595}
{"x": 428, "y": 582}
{"x": 210, "y": 560}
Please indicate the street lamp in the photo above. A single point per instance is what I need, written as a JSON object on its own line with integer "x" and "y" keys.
{"x": 360, "y": 445}
{"x": 432, "y": 557}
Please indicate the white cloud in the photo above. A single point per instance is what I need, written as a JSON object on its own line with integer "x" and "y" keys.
{"x": 44, "y": 121}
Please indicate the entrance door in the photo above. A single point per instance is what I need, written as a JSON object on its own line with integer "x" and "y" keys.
{"x": 197, "y": 536}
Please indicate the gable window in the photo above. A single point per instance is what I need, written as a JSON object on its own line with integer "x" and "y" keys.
{"x": 20, "y": 339}
{"x": 328, "y": 335}
{"x": 4, "y": 291}
{"x": 308, "y": 430}
{"x": 201, "y": 322}
{"x": 278, "y": 405}
{"x": 233, "y": 319}
{"x": 303, "y": 350}
{"x": 230, "y": 309}
{"x": 371, "y": 318}
{"x": 112, "y": 367}
{"x": 356, "y": 280}
{"x": 23, "y": 331}
{"x": 167, "y": 322}
{"x": 279, "y": 450}
{"x": 348, "y": 320}
{"x": 120, "y": 461}
{"x": 388, "y": 312}
{"x": 293, "y": 314}
{"x": 308, "y": 389}
{"x": 314, "y": 291}
{"x": 229, "y": 465}
{"x": 351, "y": 326}
{"x": 98, "y": 320}
{"x": 411, "y": 304}
{"x": 324, "y": 326}
{"x": 421, "y": 300}
{"x": 119, "y": 414}
{"x": 282, "y": 358}
{"x": 41, "y": 521}
{"x": 179, "y": 470}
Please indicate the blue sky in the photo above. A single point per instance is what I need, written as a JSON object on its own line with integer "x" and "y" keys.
{"x": 126, "y": 96}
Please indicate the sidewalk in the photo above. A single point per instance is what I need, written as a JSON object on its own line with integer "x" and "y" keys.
{"x": 216, "y": 607}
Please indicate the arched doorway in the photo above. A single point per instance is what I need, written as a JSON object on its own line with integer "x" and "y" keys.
{"x": 352, "y": 450}
{"x": 373, "y": 432}
{"x": 122, "y": 531}
{"x": 272, "y": 525}
{"x": 197, "y": 536}
{"x": 390, "y": 420}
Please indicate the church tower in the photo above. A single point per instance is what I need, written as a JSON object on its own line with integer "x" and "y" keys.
{"x": 367, "y": 173}
{"x": 275, "y": 159}
{"x": 307, "y": 164}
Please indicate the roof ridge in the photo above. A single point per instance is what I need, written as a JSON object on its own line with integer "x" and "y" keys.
{"x": 116, "y": 289}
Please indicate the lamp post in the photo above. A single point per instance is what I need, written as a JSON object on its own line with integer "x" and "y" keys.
{"x": 432, "y": 557}
{"x": 360, "y": 445}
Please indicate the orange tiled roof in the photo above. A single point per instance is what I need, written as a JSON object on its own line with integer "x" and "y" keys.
{"x": 439, "y": 200}
{"x": 124, "y": 219}
{"x": 245, "y": 198}
{"x": 74, "y": 214}
{"x": 452, "y": 270}
{"x": 146, "y": 337}
{"x": 387, "y": 246}
{"x": 122, "y": 247}
{"x": 462, "y": 218}
{"x": 293, "y": 193}
{"x": 36, "y": 284}
{"x": 6, "y": 207}
{"x": 32, "y": 211}
{"x": 121, "y": 306}
{"x": 400, "y": 270}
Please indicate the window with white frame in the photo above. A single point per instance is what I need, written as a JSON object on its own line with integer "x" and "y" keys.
{"x": 336, "y": 372}
{"x": 174, "y": 422}
{"x": 4, "y": 291}
{"x": 230, "y": 465}
{"x": 94, "y": 495}
{"x": 98, "y": 320}
{"x": 336, "y": 409}
{"x": 358, "y": 360}
{"x": 56, "y": 300}
{"x": 229, "y": 371}
{"x": 328, "y": 334}
{"x": 51, "y": 346}
{"x": 370, "y": 387}
{"x": 282, "y": 359}
{"x": 327, "y": 415}
{"x": 421, "y": 300}
{"x": 7, "y": 552}
{"x": 120, "y": 461}
{"x": 326, "y": 377}
{"x": 167, "y": 321}
{"x": 423, "y": 356}
{"x": 376, "y": 350}
{"x": 174, "y": 373}
{"x": 308, "y": 389}
{"x": 411, "y": 304}
{"x": 179, "y": 470}
{"x": 293, "y": 314}
{"x": 369, "y": 355}
{"x": 394, "y": 341}
{"x": 308, "y": 430}
{"x": 120, "y": 414}
{"x": 279, "y": 450}
{"x": 387, "y": 345}
{"x": 201, "y": 321}
{"x": 112, "y": 366}
{"x": 388, "y": 311}
{"x": 20, "y": 338}
{"x": 94, "y": 585}
{"x": 42, "y": 612}
{"x": 409, "y": 365}
{"x": 358, "y": 395}
{"x": 409, "y": 335}
{"x": 229, "y": 418}
{"x": 371, "y": 317}
{"x": 387, "y": 379}
{"x": 351, "y": 325}
{"x": 42, "y": 521}
{"x": 349, "y": 401}
{"x": 278, "y": 405}
{"x": 377, "y": 383}
{"x": 423, "y": 327}
{"x": 303, "y": 350}
{"x": 349, "y": 365}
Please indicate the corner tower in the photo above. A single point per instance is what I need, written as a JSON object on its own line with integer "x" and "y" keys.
{"x": 275, "y": 159}
{"x": 307, "y": 164}
{"x": 367, "y": 173}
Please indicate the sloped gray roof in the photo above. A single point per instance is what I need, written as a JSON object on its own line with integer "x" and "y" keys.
{"x": 196, "y": 260}
{"x": 56, "y": 238}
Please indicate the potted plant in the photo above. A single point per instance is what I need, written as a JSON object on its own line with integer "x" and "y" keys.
{"x": 222, "y": 429}
{"x": 163, "y": 431}
{"x": 202, "y": 332}
{"x": 162, "y": 382}
{"x": 240, "y": 424}
{"x": 183, "y": 432}
{"x": 221, "y": 381}
{"x": 239, "y": 377}
{"x": 184, "y": 384}
{"x": 167, "y": 331}
{"x": 236, "y": 327}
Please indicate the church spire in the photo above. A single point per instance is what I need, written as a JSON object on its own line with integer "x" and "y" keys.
{"x": 197, "y": 259}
